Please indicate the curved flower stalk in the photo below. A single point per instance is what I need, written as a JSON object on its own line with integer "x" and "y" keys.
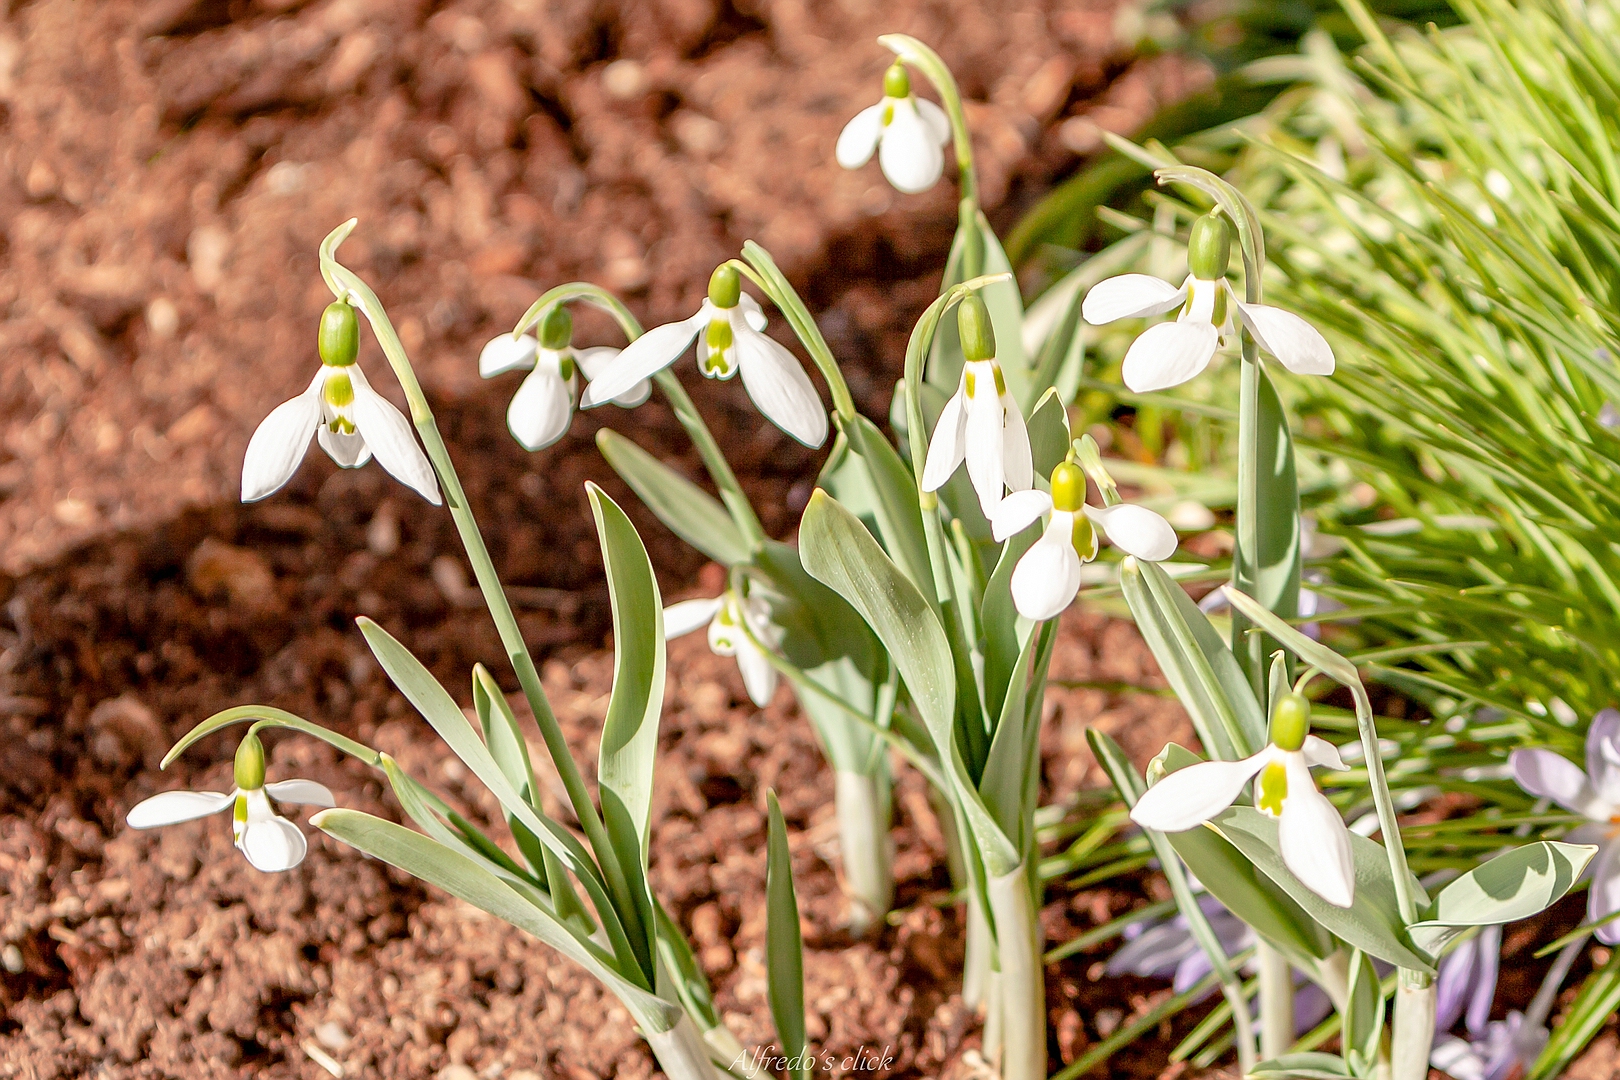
{"x": 908, "y": 134}
{"x": 1172, "y": 353}
{"x": 731, "y": 343}
{"x": 724, "y": 615}
{"x": 1047, "y": 578}
{"x": 981, "y": 424}
{"x": 543, "y": 406}
{"x": 269, "y": 841}
{"x": 1595, "y": 795}
{"x": 1314, "y": 840}
{"x": 350, "y": 420}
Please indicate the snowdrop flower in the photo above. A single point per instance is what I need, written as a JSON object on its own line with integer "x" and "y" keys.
{"x": 1171, "y": 353}
{"x": 269, "y": 841}
{"x": 724, "y": 617}
{"x": 348, "y": 418}
{"x": 730, "y": 324}
{"x": 909, "y": 134}
{"x": 980, "y": 424}
{"x": 1594, "y": 794}
{"x": 1047, "y": 578}
{"x": 544, "y": 404}
{"x": 1312, "y": 836}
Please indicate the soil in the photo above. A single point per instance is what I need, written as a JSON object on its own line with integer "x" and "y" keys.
{"x": 169, "y": 167}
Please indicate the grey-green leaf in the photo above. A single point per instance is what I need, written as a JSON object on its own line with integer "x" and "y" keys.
{"x": 784, "y": 947}
{"x": 686, "y": 509}
{"x": 1514, "y": 885}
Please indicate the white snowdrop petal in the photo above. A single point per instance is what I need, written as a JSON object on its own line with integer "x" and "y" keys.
{"x": 689, "y": 616}
{"x": 1296, "y": 344}
{"x": 1168, "y": 355}
{"x": 506, "y": 353}
{"x": 540, "y": 410}
{"x": 391, "y": 439}
{"x": 909, "y": 153}
{"x": 752, "y": 312}
{"x": 1319, "y": 751}
{"x": 1018, "y": 512}
{"x": 759, "y": 678}
{"x": 1130, "y": 296}
{"x": 985, "y": 448}
{"x": 935, "y": 118}
{"x": 1553, "y": 776}
{"x": 859, "y": 138}
{"x": 173, "y": 807}
{"x": 1016, "y": 462}
{"x": 301, "y": 792}
{"x": 1604, "y": 899}
{"x": 1047, "y": 578}
{"x": 273, "y": 845}
{"x": 1136, "y": 530}
{"x": 1312, "y": 837}
{"x": 948, "y": 446}
{"x": 349, "y": 451}
{"x": 643, "y": 358}
{"x": 279, "y": 442}
{"x": 1193, "y": 795}
{"x": 593, "y": 362}
{"x": 779, "y": 387}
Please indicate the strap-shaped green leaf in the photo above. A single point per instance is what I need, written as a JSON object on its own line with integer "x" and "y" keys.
{"x": 1512, "y": 886}
{"x": 686, "y": 509}
{"x": 464, "y": 878}
{"x": 511, "y": 753}
{"x": 784, "y": 947}
{"x": 1310, "y": 1065}
{"x": 899, "y": 520}
{"x": 1003, "y": 632}
{"x": 1372, "y": 923}
{"x": 689, "y": 984}
{"x": 1266, "y": 555}
{"x": 1363, "y": 1025}
{"x": 838, "y": 551}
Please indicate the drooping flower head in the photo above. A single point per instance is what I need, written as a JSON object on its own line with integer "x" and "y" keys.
{"x": 1313, "y": 839}
{"x": 269, "y": 841}
{"x": 1047, "y": 577}
{"x": 1171, "y": 353}
{"x": 543, "y": 406}
{"x": 725, "y": 616}
{"x": 727, "y": 327}
{"x": 981, "y": 423}
{"x": 350, "y": 420}
{"x": 907, "y": 132}
{"x": 1595, "y": 795}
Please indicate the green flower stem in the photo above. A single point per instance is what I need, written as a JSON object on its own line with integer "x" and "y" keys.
{"x": 1394, "y": 845}
{"x": 1022, "y": 997}
{"x": 725, "y": 481}
{"x": 762, "y": 271}
{"x": 1414, "y": 1026}
{"x": 927, "y": 61}
{"x": 344, "y": 283}
{"x": 1276, "y": 1002}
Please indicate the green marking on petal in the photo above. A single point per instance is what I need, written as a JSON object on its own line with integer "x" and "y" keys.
{"x": 339, "y": 390}
{"x": 1084, "y": 537}
{"x": 565, "y": 366}
{"x": 1273, "y": 788}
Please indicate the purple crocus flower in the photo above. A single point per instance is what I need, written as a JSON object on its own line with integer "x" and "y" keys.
{"x": 1595, "y": 795}
{"x": 1466, "y": 985}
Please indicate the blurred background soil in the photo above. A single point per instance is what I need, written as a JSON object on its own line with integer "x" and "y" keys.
{"x": 167, "y": 171}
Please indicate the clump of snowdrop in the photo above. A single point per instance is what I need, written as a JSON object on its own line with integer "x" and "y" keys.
{"x": 270, "y": 842}
{"x": 735, "y": 624}
{"x": 1595, "y": 795}
{"x": 728, "y": 331}
{"x": 1047, "y": 577}
{"x": 544, "y": 404}
{"x": 350, "y": 420}
{"x": 1314, "y": 841}
{"x": 981, "y": 424}
{"x": 1172, "y": 353}
{"x": 907, "y": 132}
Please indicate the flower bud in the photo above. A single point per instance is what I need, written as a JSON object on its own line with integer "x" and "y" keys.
{"x": 1209, "y": 249}
{"x": 250, "y": 764}
{"x": 1290, "y": 722}
{"x": 978, "y": 336}
{"x": 896, "y": 81}
{"x": 1068, "y": 487}
{"x": 338, "y": 340}
{"x": 557, "y": 329}
{"x": 725, "y": 287}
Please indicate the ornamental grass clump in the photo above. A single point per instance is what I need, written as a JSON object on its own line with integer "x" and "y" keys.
{"x": 915, "y": 620}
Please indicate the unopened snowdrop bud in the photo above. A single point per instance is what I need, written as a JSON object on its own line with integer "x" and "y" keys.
{"x": 348, "y": 418}
{"x": 338, "y": 340}
{"x": 907, "y": 132}
{"x": 1290, "y": 722}
{"x": 1209, "y": 248}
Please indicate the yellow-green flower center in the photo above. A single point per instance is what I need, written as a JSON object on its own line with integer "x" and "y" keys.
{"x": 1273, "y": 788}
